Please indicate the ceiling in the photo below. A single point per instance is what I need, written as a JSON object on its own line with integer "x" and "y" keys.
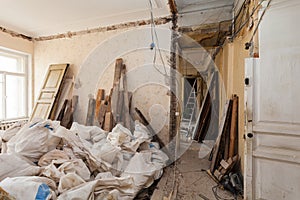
{"x": 199, "y": 12}
{"x": 37, "y": 18}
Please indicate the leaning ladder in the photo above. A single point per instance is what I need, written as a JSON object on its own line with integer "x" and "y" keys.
{"x": 188, "y": 113}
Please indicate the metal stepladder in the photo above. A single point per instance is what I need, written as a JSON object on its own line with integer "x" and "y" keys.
{"x": 186, "y": 123}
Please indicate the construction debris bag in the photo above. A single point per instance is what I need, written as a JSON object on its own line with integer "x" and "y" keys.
{"x": 87, "y": 132}
{"x": 145, "y": 167}
{"x": 122, "y": 137}
{"x": 76, "y": 166}
{"x": 80, "y": 148}
{"x": 119, "y": 135}
{"x": 13, "y": 165}
{"x": 55, "y": 155}
{"x": 6, "y": 135}
{"x": 29, "y": 188}
{"x": 34, "y": 140}
{"x": 69, "y": 181}
{"x": 119, "y": 188}
{"x": 12, "y": 131}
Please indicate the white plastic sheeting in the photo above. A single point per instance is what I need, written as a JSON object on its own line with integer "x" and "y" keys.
{"x": 81, "y": 163}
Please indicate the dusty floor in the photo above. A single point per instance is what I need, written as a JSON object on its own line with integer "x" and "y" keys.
{"x": 187, "y": 179}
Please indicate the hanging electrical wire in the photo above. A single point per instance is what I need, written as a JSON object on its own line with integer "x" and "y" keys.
{"x": 155, "y": 46}
{"x": 248, "y": 44}
{"x": 246, "y": 21}
{"x": 155, "y": 43}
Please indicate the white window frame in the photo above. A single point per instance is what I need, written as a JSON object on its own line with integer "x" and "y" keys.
{"x": 25, "y": 60}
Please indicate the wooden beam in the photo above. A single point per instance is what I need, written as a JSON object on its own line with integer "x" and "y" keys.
{"x": 215, "y": 150}
{"x": 118, "y": 70}
{"x": 173, "y": 7}
{"x": 234, "y": 127}
{"x": 100, "y": 97}
{"x": 126, "y": 101}
{"x": 68, "y": 117}
{"x": 108, "y": 122}
{"x": 149, "y": 127}
{"x": 91, "y": 112}
{"x": 62, "y": 111}
{"x": 101, "y": 113}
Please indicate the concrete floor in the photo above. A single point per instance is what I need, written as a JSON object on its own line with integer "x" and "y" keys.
{"x": 187, "y": 179}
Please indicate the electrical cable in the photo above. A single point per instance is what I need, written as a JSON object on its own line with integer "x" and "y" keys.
{"x": 242, "y": 26}
{"x": 215, "y": 192}
{"x": 156, "y": 47}
{"x": 259, "y": 21}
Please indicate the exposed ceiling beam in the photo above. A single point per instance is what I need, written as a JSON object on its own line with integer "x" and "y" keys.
{"x": 173, "y": 7}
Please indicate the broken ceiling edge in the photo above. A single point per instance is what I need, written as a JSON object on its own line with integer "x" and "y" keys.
{"x": 157, "y": 21}
{"x": 15, "y": 34}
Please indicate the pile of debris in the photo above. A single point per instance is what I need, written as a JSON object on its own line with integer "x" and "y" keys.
{"x": 44, "y": 160}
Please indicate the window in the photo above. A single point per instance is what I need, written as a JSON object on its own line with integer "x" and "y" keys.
{"x": 13, "y": 85}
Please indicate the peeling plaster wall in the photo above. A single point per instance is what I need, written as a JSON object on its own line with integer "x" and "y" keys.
{"x": 92, "y": 58}
{"x": 16, "y": 43}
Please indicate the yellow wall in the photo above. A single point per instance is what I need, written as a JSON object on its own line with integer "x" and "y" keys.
{"x": 16, "y": 43}
{"x": 231, "y": 63}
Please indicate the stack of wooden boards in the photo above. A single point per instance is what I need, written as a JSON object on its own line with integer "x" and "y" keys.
{"x": 224, "y": 156}
{"x": 107, "y": 110}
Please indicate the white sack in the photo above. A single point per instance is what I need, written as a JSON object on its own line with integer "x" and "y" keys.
{"x": 87, "y": 132}
{"x": 119, "y": 135}
{"x": 107, "y": 188}
{"x": 69, "y": 181}
{"x": 12, "y": 165}
{"x": 145, "y": 167}
{"x": 12, "y": 131}
{"x": 34, "y": 140}
{"x": 29, "y": 188}
{"x": 57, "y": 155}
{"x": 6, "y": 135}
{"x": 81, "y": 149}
{"x": 73, "y": 166}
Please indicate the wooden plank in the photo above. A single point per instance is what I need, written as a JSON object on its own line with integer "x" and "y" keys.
{"x": 100, "y": 97}
{"x": 102, "y": 111}
{"x": 118, "y": 70}
{"x": 65, "y": 93}
{"x": 68, "y": 117}
{"x": 91, "y": 112}
{"x": 120, "y": 105}
{"x": 215, "y": 150}
{"x": 62, "y": 111}
{"x": 234, "y": 127}
{"x": 108, "y": 100}
{"x": 145, "y": 122}
{"x": 115, "y": 101}
{"x": 125, "y": 113}
{"x": 108, "y": 122}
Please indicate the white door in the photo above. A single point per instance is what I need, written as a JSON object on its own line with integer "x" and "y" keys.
{"x": 272, "y": 168}
{"x": 50, "y": 88}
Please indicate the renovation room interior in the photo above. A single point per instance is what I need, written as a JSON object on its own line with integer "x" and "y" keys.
{"x": 150, "y": 99}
